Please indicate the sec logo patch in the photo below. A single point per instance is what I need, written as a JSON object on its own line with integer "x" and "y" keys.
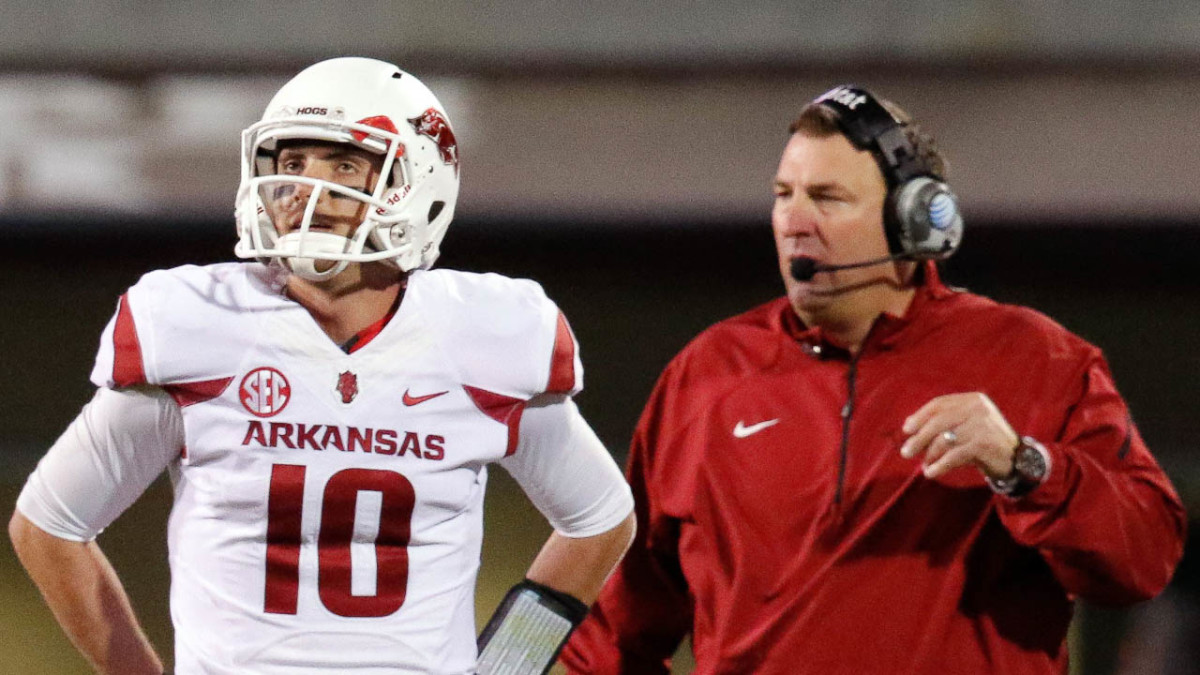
{"x": 265, "y": 392}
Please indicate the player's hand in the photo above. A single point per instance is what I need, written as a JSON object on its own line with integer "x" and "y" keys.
{"x": 961, "y": 430}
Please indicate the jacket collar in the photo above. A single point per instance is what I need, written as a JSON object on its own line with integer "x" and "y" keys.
{"x": 888, "y": 328}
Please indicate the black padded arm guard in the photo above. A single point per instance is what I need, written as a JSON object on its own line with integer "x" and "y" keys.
{"x": 528, "y": 630}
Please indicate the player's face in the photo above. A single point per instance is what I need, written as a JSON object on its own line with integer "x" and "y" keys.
{"x": 339, "y": 163}
{"x": 829, "y": 206}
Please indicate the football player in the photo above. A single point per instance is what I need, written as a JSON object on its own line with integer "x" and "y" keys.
{"x": 327, "y": 414}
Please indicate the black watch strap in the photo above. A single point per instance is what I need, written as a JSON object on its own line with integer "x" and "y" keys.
{"x": 1031, "y": 466}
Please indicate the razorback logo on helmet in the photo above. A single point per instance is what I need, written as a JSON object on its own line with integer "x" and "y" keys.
{"x": 434, "y": 125}
{"x": 347, "y": 386}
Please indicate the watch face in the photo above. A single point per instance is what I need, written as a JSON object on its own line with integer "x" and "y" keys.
{"x": 1029, "y": 462}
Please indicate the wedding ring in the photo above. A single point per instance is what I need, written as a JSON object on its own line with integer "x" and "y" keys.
{"x": 950, "y": 437}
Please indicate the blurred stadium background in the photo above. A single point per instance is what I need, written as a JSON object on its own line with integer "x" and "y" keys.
{"x": 621, "y": 154}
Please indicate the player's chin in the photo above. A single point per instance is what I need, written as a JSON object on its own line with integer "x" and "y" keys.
{"x": 324, "y": 266}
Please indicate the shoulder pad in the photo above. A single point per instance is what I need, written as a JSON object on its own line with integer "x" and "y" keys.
{"x": 166, "y": 324}
{"x": 504, "y": 335}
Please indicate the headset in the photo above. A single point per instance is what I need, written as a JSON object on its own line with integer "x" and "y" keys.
{"x": 921, "y": 217}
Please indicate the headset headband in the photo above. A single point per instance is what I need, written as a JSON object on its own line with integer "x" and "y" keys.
{"x": 869, "y": 126}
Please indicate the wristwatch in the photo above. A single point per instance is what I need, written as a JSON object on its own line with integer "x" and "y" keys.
{"x": 1031, "y": 465}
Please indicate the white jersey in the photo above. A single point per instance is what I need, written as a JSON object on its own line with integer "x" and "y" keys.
{"x": 328, "y": 505}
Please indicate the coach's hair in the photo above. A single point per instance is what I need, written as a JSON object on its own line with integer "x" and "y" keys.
{"x": 819, "y": 121}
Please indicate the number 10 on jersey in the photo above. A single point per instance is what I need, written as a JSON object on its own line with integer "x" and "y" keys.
{"x": 339, "y": 501}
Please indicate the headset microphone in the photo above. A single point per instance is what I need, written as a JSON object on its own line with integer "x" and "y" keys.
{"x": 805, "y": 268}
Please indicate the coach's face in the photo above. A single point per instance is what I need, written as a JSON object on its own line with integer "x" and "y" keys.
{"x": 829, "y": 206}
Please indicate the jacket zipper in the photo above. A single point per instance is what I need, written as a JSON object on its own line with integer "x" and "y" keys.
{"x": 847, "y": 414}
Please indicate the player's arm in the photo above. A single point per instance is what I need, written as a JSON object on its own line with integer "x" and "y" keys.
{"x": 87, "y": 599}
{"x": 644, "y": 611}
{"x": 578, "y": 566}
{"x": 104, "y": 460}
{"x": 572, "y": 479}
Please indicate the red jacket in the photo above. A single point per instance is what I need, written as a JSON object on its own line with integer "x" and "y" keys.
{"x": 778, "y": 523}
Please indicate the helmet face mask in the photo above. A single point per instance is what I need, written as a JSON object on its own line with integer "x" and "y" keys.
{"x": 374, "y": 110}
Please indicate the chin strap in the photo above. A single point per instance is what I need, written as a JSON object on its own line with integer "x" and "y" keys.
{"x": 528, "y": 630}
{"x": 306, "y": 268}
{"x": 313, "y": 244}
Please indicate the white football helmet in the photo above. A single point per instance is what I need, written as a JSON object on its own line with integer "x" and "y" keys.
{"x": 371, "y": 105}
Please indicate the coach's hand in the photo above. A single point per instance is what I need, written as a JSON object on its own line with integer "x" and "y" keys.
{"x": 960, "y": 430}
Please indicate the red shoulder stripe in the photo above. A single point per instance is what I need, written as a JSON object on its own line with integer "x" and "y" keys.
{"x": 191, "y": 393}
{"x": 127, "y": 352}
{"x": 562, "y": 361}
{"x": 504, "y": 409}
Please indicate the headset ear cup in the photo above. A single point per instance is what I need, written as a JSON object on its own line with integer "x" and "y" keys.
{"x": 912, "y": 230}
{"x": 928, "y": 222}
{"x": 897, "y": 236}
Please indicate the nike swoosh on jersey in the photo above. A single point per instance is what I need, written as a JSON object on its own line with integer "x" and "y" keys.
{"x": 742, "y": 431}
{"x": 415, "y": 400}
